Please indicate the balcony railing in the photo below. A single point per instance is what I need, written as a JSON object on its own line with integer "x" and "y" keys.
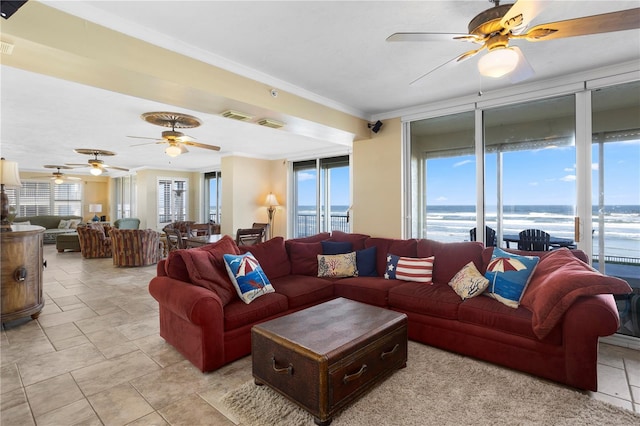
{"x": 307, "y": 224}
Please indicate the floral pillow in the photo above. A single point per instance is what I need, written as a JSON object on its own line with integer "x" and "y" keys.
{"x": 337, "y": 265}
{"x": 73, "y": 223}
{"x": 64, "y": 224}
{"x": 469, "y": 282}
{"x": 247, "y": 276}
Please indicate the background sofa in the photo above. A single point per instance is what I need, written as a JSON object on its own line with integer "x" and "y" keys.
{"x": 51, "y": 224}
{"x": 553, "y": 333}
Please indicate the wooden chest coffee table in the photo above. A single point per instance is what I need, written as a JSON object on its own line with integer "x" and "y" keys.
{"x": 325, "y": 356}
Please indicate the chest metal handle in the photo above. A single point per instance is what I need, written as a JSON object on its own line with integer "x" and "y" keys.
{"x": 349, "y": 377}
{"x": 383, "y": 355}
{"x": 287, "y": 370}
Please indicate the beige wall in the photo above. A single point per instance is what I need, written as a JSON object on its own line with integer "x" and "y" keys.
{"x": 245, "y": 185}
{"x": 377, "y": 182}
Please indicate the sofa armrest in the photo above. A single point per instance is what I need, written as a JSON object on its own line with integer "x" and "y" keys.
{"x": 192, "y": 303}
{"x": 588, "y": 319}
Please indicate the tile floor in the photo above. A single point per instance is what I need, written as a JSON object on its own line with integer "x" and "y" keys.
{"x": 95, "y": 357}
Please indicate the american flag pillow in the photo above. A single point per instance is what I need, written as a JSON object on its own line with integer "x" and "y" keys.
{"x": 409, "y": 268}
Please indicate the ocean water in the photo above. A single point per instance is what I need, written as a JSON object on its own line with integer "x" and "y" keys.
{"x": 621, "y": 224}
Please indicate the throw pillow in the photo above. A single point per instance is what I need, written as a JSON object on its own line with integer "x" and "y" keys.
{"x": 64, "y": 224}
{"x": 272, "y": 256}
{"x": 366, "y": 262}
{"x": 203, "y": 271}
{"x": 356, "y": 240}
{"x": 409, "y": 268}
{"x": 336, "y": 247}
{"x": 247, "y": 276}
{"x": 337, "y": 265}
{"x": 560, "y": 279}
{"x": 304, "y": 257}
{"x": 508, "y": 276}
{"x": 469, "y": 282}
{"x": 73, "y": 223}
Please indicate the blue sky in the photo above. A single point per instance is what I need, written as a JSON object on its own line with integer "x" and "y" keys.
{"x": 539, "y": 177}
{"x": 339, "y": 187}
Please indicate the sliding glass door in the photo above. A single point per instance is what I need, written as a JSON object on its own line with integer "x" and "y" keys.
{"x": 530, "y": 170}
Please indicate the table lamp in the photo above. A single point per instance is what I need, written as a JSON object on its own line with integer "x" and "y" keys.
{"x": 272, "y": 203}
{"x": 9, "y": 178}
{"x": 95, "y": 208}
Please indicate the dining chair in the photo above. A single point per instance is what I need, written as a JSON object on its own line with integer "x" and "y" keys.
{"x": 200, "y": 230}
{"x": 174, "y": 237}
{"x": 489, "y": 238}
{"x": 534, "y": 240}
{"x": 249, "y": 236}
{"x": 262, "y": 225}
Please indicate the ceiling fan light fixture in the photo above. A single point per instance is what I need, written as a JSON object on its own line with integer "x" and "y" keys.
{"x": 498, "y": 62}
{"x": 96, "y": 171}
{"x": 58, "y": 181}
{"x": 173, "y": 151}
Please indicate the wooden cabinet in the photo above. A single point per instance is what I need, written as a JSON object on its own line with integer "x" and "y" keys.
{"x": 22, "y": 264}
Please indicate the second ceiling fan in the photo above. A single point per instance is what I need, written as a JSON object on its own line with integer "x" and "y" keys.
{"x": 177, "y": 141}
{"x": 494, "y": 28}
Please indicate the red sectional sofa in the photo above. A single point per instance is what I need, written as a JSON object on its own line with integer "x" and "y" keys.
{"x": 552, "y": 334}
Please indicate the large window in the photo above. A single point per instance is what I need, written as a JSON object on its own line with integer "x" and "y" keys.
{"x": 46, "y": 198}
{"x": 172, "y": 200}
{"x": 322, "y": 196}
{"x": 213, "y": 197}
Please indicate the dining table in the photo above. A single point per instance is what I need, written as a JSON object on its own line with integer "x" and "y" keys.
{"x": 198, "y": 241}
{"x": 553, "y": 241}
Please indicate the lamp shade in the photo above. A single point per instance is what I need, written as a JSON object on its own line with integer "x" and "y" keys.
{"x": 96, "y": 171}
{"x": 9, "y": 174}
{"x": 271, "y": 200}
{"x": 498, "y": 62}
{"x": 95, "y": 208}
{"x": 173, "y": 151}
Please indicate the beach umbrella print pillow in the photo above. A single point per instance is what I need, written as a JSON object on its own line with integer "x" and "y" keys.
{"x": 509, "y": 275}
{"x": 247, "y": 276}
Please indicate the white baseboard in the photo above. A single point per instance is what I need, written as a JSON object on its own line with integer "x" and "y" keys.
{"x": 622, "y": 340}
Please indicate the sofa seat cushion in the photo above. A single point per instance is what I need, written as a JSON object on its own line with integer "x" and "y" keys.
{"x": 438, "y": 300}
{"x": 303, "y": 290}
{"x": 237, "y": 313}
{"x": 488, "y": 312}
{"x": 371, "y": 290}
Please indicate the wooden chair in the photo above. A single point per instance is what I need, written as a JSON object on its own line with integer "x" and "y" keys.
{"x": 200, "y": 230}
{"x": 262, "y": 225}
{"x": 174, "y": 237}
{"x": 249, "y": 236}
{"x": 534, "y": 240}
{"x": 489, "y": 236}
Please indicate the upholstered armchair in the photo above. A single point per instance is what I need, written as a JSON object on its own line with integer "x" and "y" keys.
{"x": 136, "y": 247}
{"x": 127, "y": 223}
{"x": 94, "y": 241}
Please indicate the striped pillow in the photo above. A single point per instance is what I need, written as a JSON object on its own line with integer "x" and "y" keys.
{"x": 409, "y": 268}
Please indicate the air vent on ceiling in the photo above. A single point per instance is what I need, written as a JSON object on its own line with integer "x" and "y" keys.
{"x": 274, "y": 124}
{"x": 236, "y": 115}
{"x": 6, "y": 48}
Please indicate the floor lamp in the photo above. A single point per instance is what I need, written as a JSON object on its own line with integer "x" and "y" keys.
{"x": 9, "y": 178}
{"x": 272, "y": 203}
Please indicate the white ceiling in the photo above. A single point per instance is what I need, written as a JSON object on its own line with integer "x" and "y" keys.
{"x": 329, "y": 51}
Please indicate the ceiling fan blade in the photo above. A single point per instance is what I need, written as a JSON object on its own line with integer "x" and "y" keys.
{"x": 149, "y": 143}
{"x": 523, "y": 70}
{"x": 447, "y": 64}
{"x": 521, "y": 13}
{"x": 106, "y": 166}
{"x": 75, "y": 166}
{"x": 596, "y": 24}
{"x": 72, "y": 178}
{"x": 183, "y": 149}
{"x": 143, "y": 137}
{"x": 433, "y": 37}
{"x": 201, "y": 145}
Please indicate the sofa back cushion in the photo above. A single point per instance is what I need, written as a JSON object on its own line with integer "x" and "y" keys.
{"x": 385, "y": 246}
{"x": 204, "y": 266}
{"x": 46, "y": 221}
{"x": 450, "y": 257}
{"x": 304, "y": 257}
{"x": 356, "y": 240}
{"x": 272, "y": 256}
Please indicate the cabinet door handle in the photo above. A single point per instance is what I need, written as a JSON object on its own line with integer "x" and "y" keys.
{"x": 286, "y": 370}
{"x": 20, "y": 274}
{"x": 349, "y": 377}
{"x": 383, "y": 355}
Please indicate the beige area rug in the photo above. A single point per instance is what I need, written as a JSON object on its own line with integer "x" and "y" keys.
{"x": 441, "y": 388}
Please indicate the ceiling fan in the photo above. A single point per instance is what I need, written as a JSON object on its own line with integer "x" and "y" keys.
{"x": 97, "y": 166}
{"x": 177, "y": 141}
{"x": 58, "y": 177}
{"x": 494, "y": 28}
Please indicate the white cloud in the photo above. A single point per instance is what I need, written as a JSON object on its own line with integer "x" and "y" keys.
{"x": 568, "y": 178}
{"x": 442, "y": 198}
{"x": 595, "y": 166}
{"x": 568, "y": 169}
{"x": 533, "y": 184}
{"x": 305, "y": 176}
{"x": 462, "y": 163}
